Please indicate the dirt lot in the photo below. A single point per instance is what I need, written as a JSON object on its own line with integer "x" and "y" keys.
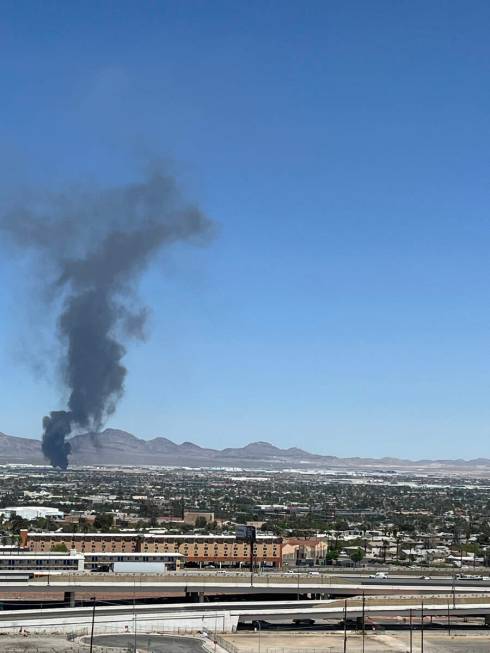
{"x": 290, "y": 642}
{"x": 19, "y": 644}
{"x": 332, "y": 642}
{"x": 47, "y": 644}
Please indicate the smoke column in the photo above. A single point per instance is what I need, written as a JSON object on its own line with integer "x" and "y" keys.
{"x": 96, "y": 244}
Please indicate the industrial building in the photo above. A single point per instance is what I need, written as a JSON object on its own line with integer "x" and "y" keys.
{"x": 73, "y": 561}
{"x": 32, "y": 512}
{"x": 44, "y": 562}
{"x": 198, "y": 550}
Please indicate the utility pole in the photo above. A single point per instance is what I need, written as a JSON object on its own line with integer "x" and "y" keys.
{"x": 345, "y": 626}
{"x": 422, "y": 628}
{"x": 251, "y": 544}
{"x": 411, "y": 631}
{"x": 363, "y": 622}
{"x": 93, "y": 622}
{"x": 134, "y": 618}
{"x": 448, "y": 620}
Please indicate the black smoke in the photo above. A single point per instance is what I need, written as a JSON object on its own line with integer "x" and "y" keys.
{"x": 94, "y": 244}
{"x": 56, "y": 427}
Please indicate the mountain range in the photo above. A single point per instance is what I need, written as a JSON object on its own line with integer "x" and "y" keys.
{"x": 117, "y": 447}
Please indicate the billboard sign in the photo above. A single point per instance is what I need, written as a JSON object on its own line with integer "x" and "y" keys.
{"x": 245, "y": 533}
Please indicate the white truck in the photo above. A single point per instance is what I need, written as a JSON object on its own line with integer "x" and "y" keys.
{"x": 138, "y": 567}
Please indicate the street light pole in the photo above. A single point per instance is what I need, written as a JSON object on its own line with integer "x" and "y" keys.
{"x": 248, "y": 534}
{"x": 134, "y": 618}
{"x": 345, "y": 626}
{"x": 363, "y": 622}
{"x": 215, "y": 630}
{"x": 251, "y": 544}
{"x": 93, "y": 623}
{"x": 422, "y": 628}
{"x": 411, "y": 631}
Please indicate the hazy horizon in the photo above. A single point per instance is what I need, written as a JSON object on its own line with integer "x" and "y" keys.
{"x": 206, "y": 445}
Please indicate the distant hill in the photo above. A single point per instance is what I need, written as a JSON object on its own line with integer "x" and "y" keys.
{"x": 20, "y": 450}
{"x": 117, "y": 447}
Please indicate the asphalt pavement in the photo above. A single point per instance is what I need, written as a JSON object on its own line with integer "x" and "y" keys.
{"x": 153, "y": 643}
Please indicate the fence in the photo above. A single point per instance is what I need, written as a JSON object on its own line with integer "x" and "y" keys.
{"x": 231, "y": 648}
{"x": 354, "y": 648}
{"x": 70, "y": 649}
{"x": 327, "y": 648}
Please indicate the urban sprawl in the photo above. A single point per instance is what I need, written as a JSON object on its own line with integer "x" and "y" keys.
{"x": 329, "y": 520}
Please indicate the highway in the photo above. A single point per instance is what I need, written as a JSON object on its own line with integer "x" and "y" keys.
{"x": 219, "y": 617}
{"x": 271, "y": 584}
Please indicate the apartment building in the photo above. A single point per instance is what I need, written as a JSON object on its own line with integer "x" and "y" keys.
{"x": 198, "y": 550}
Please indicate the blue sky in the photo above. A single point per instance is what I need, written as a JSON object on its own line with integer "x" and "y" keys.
{"x": 342, "y": 147}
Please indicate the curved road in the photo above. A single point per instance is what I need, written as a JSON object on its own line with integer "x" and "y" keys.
{"x": 153, "y": 643}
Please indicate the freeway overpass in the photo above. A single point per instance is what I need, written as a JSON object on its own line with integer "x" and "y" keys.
{"x": 198, "y": 588}
{"x": 219, "y": 617}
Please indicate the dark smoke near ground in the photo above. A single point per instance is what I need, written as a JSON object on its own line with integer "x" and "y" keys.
{"x": 96, "y": 243}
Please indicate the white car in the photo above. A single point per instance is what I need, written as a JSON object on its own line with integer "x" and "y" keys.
{"x": 379, "y": 574}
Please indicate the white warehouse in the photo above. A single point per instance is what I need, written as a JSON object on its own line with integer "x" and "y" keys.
{"x": 32, "y": 512}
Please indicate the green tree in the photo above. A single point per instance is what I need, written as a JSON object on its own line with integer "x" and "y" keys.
{"x": 357, "y": 555}
{"x": 17, "y": 523}
{"x": 104, "y": 521}
{"x": 59, "y": 548}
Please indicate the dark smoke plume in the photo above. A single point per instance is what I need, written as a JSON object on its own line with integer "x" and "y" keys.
{"x": 96, "y": 243}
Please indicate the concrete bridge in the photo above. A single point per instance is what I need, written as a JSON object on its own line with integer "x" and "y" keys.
{"x": 220, "y": 617}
